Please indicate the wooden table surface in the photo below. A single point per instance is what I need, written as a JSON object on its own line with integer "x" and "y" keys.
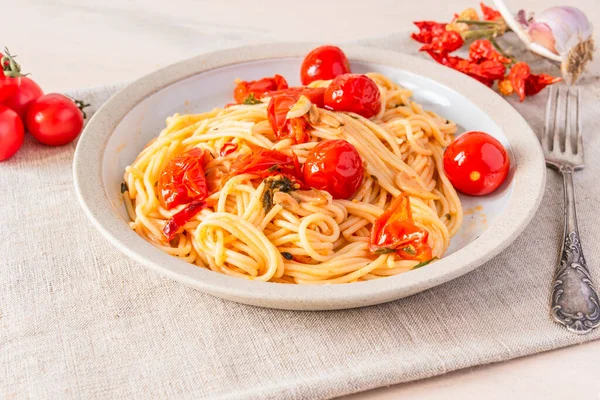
{"x": 79, "y": 43}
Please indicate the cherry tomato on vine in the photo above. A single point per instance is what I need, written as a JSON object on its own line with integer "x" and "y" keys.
{"x": 324, "y": 63}
{"x": 476, "y": 163}
{"x": 54, "y": 119}
{"x": 334, "y": 166}
{"x": 10, "y": 74}
{"x": 354, "y": 93}
{"x": 26, "y": 92}
{"x": 11, "y": 133}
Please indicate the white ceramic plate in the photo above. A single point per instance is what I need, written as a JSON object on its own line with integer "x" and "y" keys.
{"x": 135, "y": 115}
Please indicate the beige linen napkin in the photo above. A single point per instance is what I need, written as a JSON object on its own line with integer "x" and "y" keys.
{"x": 78, "y": 319}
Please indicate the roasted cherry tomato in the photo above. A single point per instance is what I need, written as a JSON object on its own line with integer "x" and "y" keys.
{"x": 264, "y": 162}
{"x": 11, "y": 133}
{"x": 354, "y": 93}
{"x": 334, "y": 166}
{"x": 228, "y": 148}
{"x": 27, "y": 91}
{"x": 476, "y": 163}
{"x": 279, "y": 105}
{"x": 323, "y": 63}
{"x": 257, "y": 88}
{"x": 54, "y": 119}
{"x": 183, "y": 181}
{"x": 395, "y": 231}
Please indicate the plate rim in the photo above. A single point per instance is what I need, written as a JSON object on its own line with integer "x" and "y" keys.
{"x": 528, "y": 188}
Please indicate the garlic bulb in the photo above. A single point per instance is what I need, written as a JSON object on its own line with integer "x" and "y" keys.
{"x": 562, "y": 34}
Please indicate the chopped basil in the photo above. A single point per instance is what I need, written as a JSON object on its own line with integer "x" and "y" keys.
{"x": 250, "y": 100}
{"x": 424, "y": 263}
{"x": 409, "y": 249}
{"x": 282, "y": 184}
{"x": 273, "y": 168}
{"x": 384, "y": 250}
{"x": 123, "y": 187}
{"x": 287, "y": 256}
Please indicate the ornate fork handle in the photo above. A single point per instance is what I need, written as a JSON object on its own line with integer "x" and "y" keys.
{"x": 574, "y": 300}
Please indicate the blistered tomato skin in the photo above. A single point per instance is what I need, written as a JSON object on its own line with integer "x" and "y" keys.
{"x": 334, "y": 166}
{"x": 324, "y": 63}
{"x": 353, "y": 93}
{"x": 476, "y": 163}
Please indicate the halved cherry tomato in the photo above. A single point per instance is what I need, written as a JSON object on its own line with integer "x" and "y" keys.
{"x": 395, "y": 231}
{"x": 175, "y": 224}
{"x": 354, "y": 93}
{"x": 264, "y": 162}
{"x": 334, "y": 166}
{"x": 476, "y": 163}
{"x": 258, "y": 87}
{"x": 183, "y": 181}
{"x": 279, "y": 105}
{"x": 12, "y": 133}
{"x": 27, "y": 91}
{"x": 323, "y": 63}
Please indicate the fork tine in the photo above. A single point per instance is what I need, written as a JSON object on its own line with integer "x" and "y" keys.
{"x": 579, "y": 132}
{"x": 557, "y": 123}
{"x": 548, "y": 119}
{"x": 569, "y": 122}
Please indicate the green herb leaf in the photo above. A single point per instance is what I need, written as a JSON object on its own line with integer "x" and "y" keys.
{"x": 123, "y": 187}
{"x": 424, "y": 263}
{"x": 287, "y": 256}
{"x": 250, "y": 100}
{"x": 267, "y": 199}
{"x": 384, "y": 250}
{"x": 282, "y": 184}
{"x": 409, "y": 249}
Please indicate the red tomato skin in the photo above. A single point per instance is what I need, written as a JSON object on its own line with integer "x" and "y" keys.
{"x": 182, "y": 180}
{"x": 354, "y": 93}
{"x": 8, "y": 86}
{"x": 27, "y": 91}
{"x": 334, "y": 166}
{"x": 12, "y": 133}
{"x": 54, "y": 119}
{"x": 323, "y": 63}
{"x": 244, "y": 88}
{"x": 476, "y": 163}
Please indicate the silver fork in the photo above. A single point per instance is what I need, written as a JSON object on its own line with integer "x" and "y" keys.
{"x": 575, "y": 302}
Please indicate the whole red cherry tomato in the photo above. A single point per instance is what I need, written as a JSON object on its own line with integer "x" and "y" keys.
{"x": 257, "y": 88}
{"x": 10, "y": 74}
{"x": 54, "y": 119}
{"x": 334, "y": 166}
{"x": 11, "y": 133}
{"x": 27, "y": 91}
{"x": 323, "y": 63}
{"x": 183, "y": 181}
{"x": 354, "y": 93}
{"x": 476, "y": 163}
{"x": 8, "y": 86}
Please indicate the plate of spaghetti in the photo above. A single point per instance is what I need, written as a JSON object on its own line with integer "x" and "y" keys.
{"x": 308, "y": 177}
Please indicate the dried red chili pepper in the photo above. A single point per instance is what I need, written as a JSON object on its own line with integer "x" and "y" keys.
{"x": 175, "y": 224}
{"x": 518, "y": 75}
{"x": 485, "y": 72}
{"x": 427, "y": 31}
{"x": 228, "y": 148}
{"x": 483, "y": 49}
{"x": 448, "y": 41}
{"x": 489, "y": 14}
{"x": 535, "y": 83}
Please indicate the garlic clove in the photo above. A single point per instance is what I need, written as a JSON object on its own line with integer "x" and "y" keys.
{"x": 299, "y": 109}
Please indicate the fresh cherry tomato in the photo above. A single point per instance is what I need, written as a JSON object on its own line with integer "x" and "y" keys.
{"x": 324, "y": 63}
{"x": 395, "y": 231}
{"x": 54, "y": 119}
{"x": 183, "y": 181}
{"x": 476, "y": 163}
{"x": 10, "y": 74}
{"x": 279, "y": 105}
{"x": 264, "y": 162}
{"x": 354, "y": 93}
{"x": 8, "y": 86}
{"x": 11, "y": 133}
{"x": 27, "y": 91}
{"x": 258, "y": 87}
{"x": 334, "y": 166}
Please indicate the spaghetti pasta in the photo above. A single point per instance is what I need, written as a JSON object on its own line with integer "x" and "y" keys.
{"x": 302, "y": 236}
